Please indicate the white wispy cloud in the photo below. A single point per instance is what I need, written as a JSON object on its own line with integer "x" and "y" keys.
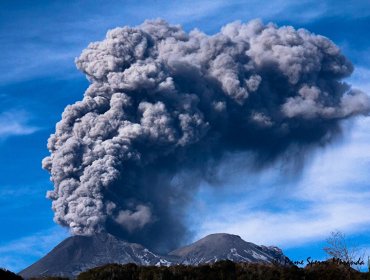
{"x": 361, "y": 79}
{"x": 18, "y": 254}
{"x": 41, "y": 55}
{"x": 183, "y": 13}
{"x": 14, "y": 123}
{"x": 332, "y": 193}
{"x": 16, "y": 197}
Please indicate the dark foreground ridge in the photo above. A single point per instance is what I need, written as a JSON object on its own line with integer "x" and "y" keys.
{"x": 80, "y": 253}
{"x": 225, "y": 270}
{"x": 221, "y": 270}
{"x": 8, "y": 275}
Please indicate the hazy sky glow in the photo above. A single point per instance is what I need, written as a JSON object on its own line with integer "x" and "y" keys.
{"x": 38, "y": 43}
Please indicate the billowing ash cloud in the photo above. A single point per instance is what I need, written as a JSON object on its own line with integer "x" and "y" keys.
{"x": 165, "y": 106}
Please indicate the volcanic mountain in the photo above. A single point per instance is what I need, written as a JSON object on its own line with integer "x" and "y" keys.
{"x": 222, "y": 246}
{"x": 79, "y": 253}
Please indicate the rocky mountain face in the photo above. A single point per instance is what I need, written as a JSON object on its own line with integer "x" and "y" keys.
{"x": 221, "y": 246}
{"x": 79, "y": 253}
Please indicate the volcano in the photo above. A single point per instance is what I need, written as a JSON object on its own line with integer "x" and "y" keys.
{"x": 222, "y": 246}
{"x": 79, "y": 253}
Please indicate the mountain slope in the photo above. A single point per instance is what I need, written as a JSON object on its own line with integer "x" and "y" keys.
{"x": 221, "y": 246}
{"x": 79, "y": 253}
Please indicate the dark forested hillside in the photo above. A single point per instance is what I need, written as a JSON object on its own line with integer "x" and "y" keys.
{"x": 223, "y": 270}
{"x": 8, "y": 275}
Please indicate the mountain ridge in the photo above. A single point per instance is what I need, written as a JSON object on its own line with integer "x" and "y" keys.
{"x": 220, "y": 246}
{"x": 79, "y": 253}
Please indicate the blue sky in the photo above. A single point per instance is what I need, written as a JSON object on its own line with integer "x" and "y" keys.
{"x": 38, "y": 43}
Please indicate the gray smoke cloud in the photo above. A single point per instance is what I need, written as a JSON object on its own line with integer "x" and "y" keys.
{"x": 165, "y": 106}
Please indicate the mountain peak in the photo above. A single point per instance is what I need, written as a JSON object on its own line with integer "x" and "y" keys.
{"x": 220, "y": 246}
{"x": 79, "y": 253}
{"x": 217, "y": 236}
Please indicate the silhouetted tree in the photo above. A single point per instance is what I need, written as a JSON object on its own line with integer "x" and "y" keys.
{"x": 223, "y": 270}
{"x": 340, "y": 250}
{"x": 49, "y": 278}
{"x": 8, "y": 275}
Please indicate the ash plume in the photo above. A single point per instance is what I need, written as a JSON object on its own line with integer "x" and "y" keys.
{"x": 165, "y": 106}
